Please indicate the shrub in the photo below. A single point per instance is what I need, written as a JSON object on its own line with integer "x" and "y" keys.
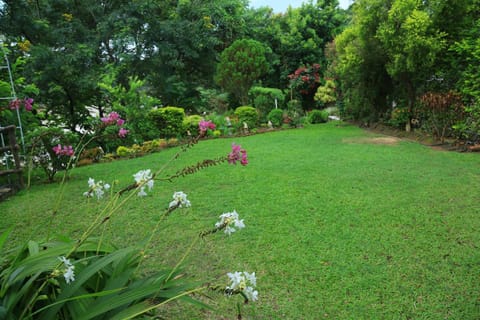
{"x": 51, "y": 150}
{"x": 318, "y": 116}
{"x": 326, "y": 94}
{"x": 169, "y": 121}
{"x": 399, "y": 117}
{"x": 276, "y": 117}
{"x": 295, "y": 113}
{"x": 469, "y": 128}
{"x": 93, "y": 154}
{"x": 248, "y": 115}
{"x": 123, "y": 151}
{"x": 264, "y": 100}
{"x": 440, "y": 112}
{"x": 190, "y": 124}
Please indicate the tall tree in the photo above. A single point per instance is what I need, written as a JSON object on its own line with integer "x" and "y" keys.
{"x": 361, "y": 60}
{"x": 240, "y": 65}
{"x": 411, "y": 44}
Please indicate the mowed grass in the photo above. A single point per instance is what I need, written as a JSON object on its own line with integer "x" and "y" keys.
{"x": 336, "y": 227}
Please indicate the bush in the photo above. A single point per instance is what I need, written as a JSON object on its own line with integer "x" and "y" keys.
{"x": 51, "y": 150}
{"x": 295, "y": 113}
{"x": 276, "y": 117}
{"x": 190, "y": 124}
{"x": 93, "y": 154}
{"x": 247, "y": 114}
{"x": 169, "y": 121}
{"x": 440, "y": 112}
{"x": 318, "y": 116}
{"x": 264, "y": 99}
{"x": 399, "y": 117}
{"x": 469, "y": 128}
{"x": 123, "y": 151}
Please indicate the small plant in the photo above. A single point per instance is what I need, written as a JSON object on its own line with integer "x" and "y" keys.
{"x": 248, "y": 115}
{"x": 318, "y": 116}
{"x": 190, "y": 124}
{"x": 266, "y": 99}
{"x": 441, "y": 111}
{"x": 275, "y": 117}
{"x": 399, "y": 117}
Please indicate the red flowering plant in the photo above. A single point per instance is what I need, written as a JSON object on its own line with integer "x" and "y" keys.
{"x": 305, "y": 79}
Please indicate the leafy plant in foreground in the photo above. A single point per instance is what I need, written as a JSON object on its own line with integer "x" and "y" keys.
{"x": 88, "y": 278}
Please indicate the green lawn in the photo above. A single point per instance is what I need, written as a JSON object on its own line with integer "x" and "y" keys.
{"x": 337, "y": 227}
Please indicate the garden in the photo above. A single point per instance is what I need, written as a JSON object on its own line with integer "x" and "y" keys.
{"x": 210, "y": 160}
{"x": 336, "y": 225}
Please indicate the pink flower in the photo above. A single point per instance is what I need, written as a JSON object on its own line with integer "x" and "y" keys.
{"x": 122, "y": 133}
{"x": 205, "y": 125}
{"x": 113, "y": 118}
{"x": 14, "y": 104}
{"x": 238, "y": 154}
{"x": 28, "y": 104}
{"x": 57, "y": 149}
{"x": 63, "y": 151}
{"x": 68, "y": 151}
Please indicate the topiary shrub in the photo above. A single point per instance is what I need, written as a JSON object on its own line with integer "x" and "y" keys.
{"x": 169, "y": 121}
{"x": 264, "y": 100}
{"x": 318, "y": 116}
{"x": 276, "y": 117}
{"x": 248, "y": 115}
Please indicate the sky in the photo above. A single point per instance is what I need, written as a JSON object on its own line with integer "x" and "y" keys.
{"x": 282, "y": 5}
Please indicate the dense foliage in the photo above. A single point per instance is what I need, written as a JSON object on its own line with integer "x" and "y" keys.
{"x": 393, "y": 53}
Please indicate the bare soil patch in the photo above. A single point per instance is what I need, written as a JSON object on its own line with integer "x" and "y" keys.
{"x": 373, "y": 140}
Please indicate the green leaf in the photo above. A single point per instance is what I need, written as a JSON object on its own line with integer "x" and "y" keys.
{"x": 4, "y": 236}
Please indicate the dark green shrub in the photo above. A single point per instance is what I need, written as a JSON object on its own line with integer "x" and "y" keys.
{"x": 264, "y": 99}
{"x": 247, "y": 114}
{"x": 276, "y": 117}
{"x": 318, "y": 116}
{"x": 168, "y": 120}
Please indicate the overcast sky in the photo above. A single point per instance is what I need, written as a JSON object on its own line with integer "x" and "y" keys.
{"x": 282, "y": 5}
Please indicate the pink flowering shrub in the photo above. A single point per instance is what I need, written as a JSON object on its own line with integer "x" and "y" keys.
{"x": 53, "y": 149}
